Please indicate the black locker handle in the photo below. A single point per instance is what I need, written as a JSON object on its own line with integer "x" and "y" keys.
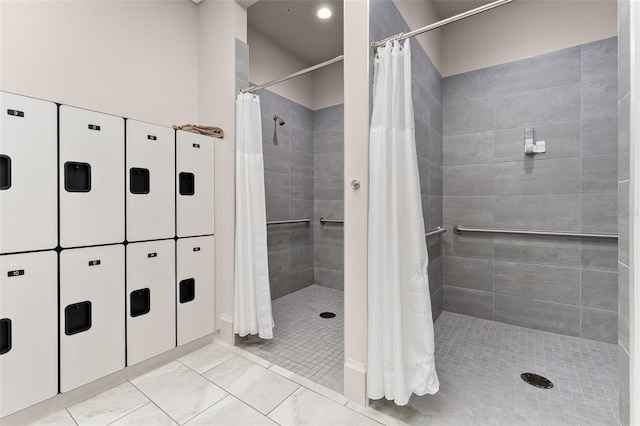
{"x": 5, "y": 172}
{"x": 77, "y": 176}
{"x": 15, "y": 113}
{"x": 94, "y": 127}
{"x": 140, "y": 302}
{"x": 139, "y": 180}
{"x": 187, "y": 290}
{"x": 77, "y": 318}
{"x": 187, "y": 183}
{"x": 5, "y": 335}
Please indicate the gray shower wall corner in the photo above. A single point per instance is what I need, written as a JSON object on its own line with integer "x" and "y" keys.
{"x": 624, "y": 217}
{"x": 303, "y": 162}
{"x": 427, "y": 91}
{"x": 562, "y": 285}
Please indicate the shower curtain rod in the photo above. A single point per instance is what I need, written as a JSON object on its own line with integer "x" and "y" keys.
{"x": 295, "y": 74}
{"x": 463, "y": 15}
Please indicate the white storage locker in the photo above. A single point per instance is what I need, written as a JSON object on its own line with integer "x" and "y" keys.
{"x": 151, "y": 299}
{"x": 151, "y": 201}
{"x": 92, "y": 314}
{"x": 28, "y": 174}
{"x": 28, "y": 329}
{"x": 91, "y": 178}
{"x": 194, "y": 184}
{"x": 194, "y": 288}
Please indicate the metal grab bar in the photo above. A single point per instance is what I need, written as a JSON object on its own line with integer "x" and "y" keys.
{"x": 323, "y": 220}
{"x": 284, "y": 222}
{"x": 435, "y": 231}
{"x": 459, "y": 230}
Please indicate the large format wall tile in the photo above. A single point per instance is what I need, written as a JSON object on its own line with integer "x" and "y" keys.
{"x": 540, "y": 282}
{"x": 537, "y": 314}
{"x": 470, "y": 117}
{"x": 599, "y": 325}
{"x": 552, "y": 69}
{"x": 474, "y": 179}
{"x": 464, "y": 272}
{"x": 599, "y": 98}
{"x": 468, "y": 211}
{"x": 600, "y": 136}
{"x": 468, "y": 302}
{"x": 542, "y": 251}
{"x": 544, "y": 212}
{"x": 563, "y": 140}
{"x": 600, "y": 290}
{"x": 537, "y": 176}
{"x": 600, "y": 174}
{"x": 561, "y": 284}
{"x": 544, "y": 106}
{"x": 599, "y": 59}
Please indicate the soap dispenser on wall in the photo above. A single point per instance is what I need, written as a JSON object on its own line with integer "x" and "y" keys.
{"x": 530, "y": 146}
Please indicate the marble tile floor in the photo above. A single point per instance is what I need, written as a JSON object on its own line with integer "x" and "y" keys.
{"x": 479, "y": 364}
{"x": 218, "y": 385}
{"x": 304, "y": 343}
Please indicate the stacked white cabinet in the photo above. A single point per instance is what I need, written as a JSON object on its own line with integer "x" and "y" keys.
{"x": 92, "y": 314}
{"x": 28, "y": 330}
{"x": 194, "y": 288}
{"x": 194, "y": 184}
{"x": 150, "y": 181}
{"x": 151, "y": 309}
{"x": 91, "y": 178}
{"x": 28, "y": 174}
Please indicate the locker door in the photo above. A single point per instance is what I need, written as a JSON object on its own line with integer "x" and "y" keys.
{"x": 91, "y": 178}
{"x": 92, "y": 342}
{"x": 195, "y": 288}
{"x": 151, "y": 302}
{"x": 28, "y": 170}
{"x": 194, "y": 184}
{"x": 28, "y": 330}
{"x": 150, "y": 185}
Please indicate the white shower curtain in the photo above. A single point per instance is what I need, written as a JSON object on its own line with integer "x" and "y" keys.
{"x": 252, "y": 295}
{"x": 401, "y": 341}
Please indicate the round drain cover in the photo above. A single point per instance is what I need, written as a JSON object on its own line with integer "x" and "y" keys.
{"x": 327, "y": 315}
{"x": 537, "y": 380}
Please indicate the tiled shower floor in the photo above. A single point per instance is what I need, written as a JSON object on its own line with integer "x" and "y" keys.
{"x": 479, "y": 363}
{"x": 303, "y": 342}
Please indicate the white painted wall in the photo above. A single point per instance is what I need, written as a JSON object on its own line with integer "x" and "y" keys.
{"x": 136, "y": 59}
{"x": 328, "y": 86}
{"x": 420, "y": 13}
{"x": 268, "y": 61}
{"x": 523, "y": 29}
{"x": 219, "y": 23}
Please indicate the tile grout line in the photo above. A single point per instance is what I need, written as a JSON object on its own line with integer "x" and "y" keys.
{"x": 131, "y": 412}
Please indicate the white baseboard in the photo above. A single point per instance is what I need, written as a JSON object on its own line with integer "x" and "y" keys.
{"x": 355, "y": 382}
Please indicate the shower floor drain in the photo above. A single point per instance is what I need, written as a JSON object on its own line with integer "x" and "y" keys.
{"x": 327, "y": 315}
{"x": 537, "y": 380}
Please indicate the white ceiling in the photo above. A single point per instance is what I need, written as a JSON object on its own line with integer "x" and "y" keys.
{"x": 301, "y": 32}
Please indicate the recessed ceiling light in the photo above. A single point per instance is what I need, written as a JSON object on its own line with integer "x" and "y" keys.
{"x": 324, "y": 13}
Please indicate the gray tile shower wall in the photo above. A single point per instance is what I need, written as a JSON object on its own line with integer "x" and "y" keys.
{"x": 329, "y": 196}
{"x": 304, "y": 163}
{"x": 427, "y": 85}
{"x": 562, "y": 285}
{"x": 289, "y": 187}
{"x": 623, "y": 216}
